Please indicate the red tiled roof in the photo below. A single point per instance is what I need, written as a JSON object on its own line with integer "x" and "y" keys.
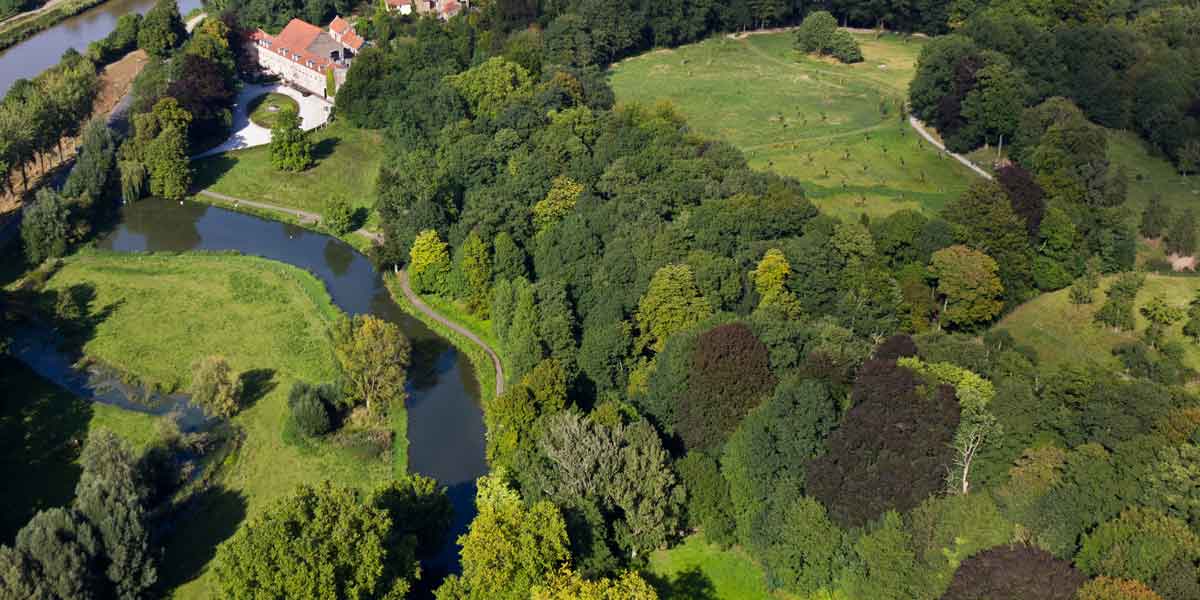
{"x": 339, "y": 25}
{"x": 295, "y": 38}
{"x": 352, "y": 41}
{"x": 399, "y": 3}
{"x": 450, "y": 8}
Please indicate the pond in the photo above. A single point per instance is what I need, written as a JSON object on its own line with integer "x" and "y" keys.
{"x": 445, "y": 421}
{"x": 44, "y": 49}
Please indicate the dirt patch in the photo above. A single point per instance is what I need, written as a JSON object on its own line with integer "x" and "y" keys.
{"x": 116, "y": 80}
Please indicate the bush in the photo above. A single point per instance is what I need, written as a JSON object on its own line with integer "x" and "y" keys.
{"x": 339, "y": 216}
{"x": 309, "y": 410}
{"x": 215, "y": 387}
{"x": 844, "y": 47}
{"x": 44, "y": 227}
{"x": 1107, "y": 588}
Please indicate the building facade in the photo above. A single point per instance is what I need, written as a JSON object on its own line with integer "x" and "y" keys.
{"x": 308, "y": 57}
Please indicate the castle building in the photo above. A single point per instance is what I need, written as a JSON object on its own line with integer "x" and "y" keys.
{"x": 308, "y": 57}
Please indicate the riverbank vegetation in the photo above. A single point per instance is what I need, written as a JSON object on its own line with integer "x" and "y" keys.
{"x": 21, "y": 27}
{"x": 841, "y": 129}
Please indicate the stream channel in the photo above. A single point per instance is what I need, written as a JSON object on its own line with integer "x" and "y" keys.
{"x": 445, "y": 422}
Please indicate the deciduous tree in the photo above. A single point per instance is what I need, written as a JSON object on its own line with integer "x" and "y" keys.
{"x": 290, "y": 148}
{"x": 969, "y": 285}
{"x": 215, "y": 386}
{"x": 373, "y": 355}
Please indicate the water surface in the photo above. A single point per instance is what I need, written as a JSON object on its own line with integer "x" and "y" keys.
{"x": 43, "y": 50}
{"x": 445, "y": 422}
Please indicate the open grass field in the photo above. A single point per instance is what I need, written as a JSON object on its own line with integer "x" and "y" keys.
{"x": 837, "y": 128}
{"x": 266, "y": 107}
{"x": 696, "y": 569}
{"x": 42, "y": 428}
{"x": 347, "y": 165}
{"x": 268, "y": 319}
{"x": 1063, "y": 333}
{"x": 1149, "y": 175}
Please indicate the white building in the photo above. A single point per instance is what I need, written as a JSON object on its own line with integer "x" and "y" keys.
{"x": 305, "y": 55}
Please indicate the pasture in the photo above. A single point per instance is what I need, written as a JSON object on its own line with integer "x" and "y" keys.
{"x": 837, "y": 128}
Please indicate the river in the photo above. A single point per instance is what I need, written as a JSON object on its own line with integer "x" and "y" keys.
{"x": 43, "y": 50}
{"x": 445, "y": 421}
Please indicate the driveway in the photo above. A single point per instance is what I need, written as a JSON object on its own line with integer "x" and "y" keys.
{"x": 314, "y": 112}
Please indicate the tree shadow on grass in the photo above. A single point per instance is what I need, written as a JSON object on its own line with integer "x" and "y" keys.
{"x": 42, "y": 428}
{"x": 192, "y": 533}
{"x": 691, "y": 584}
{"x": 324, "y": 148}
{"x": 256, "y": 383}
{"x": 206, "y": 172}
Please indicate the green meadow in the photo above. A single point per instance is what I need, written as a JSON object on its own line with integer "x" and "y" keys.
{"x": 837, "y": 128}
{"x": 270, "y": 321}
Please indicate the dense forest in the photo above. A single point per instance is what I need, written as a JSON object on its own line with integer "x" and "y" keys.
{"x": 693, "y": 348}
{"x": 697, "y": 348}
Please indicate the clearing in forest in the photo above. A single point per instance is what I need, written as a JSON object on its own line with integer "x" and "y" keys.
{"x": 837, "y": 128}
{"x": 1064, "y": 333}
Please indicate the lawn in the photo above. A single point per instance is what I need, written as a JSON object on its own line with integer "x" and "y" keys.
{"x": 835, "y": 127}
{"x": 1064, "y": 333}
{"x": 265, "y": 108}
{"x": 696, "y": 569}
{"x": 347, "y": 166}
{"x": 269, "y": 320}
{"x": 42, "y": 428}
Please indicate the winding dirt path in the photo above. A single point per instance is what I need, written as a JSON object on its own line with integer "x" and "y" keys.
{"x": 455, "y": 327}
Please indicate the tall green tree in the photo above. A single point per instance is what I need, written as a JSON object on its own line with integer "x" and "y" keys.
{"x": 476, "y": 268}
{"x": 216, "y": 387}
{"x": 429, "y": 263}
{"x": 290, "y": 148}
{"x": 161, "y": 30}
{"x": 319, "y": 542}
{"x": 969, "y": 285}
{"x": 44, "y": 227}
{"x": 509, "y": 548}
{"x": 373, "y": 355}
{"x": 671, "y": 303}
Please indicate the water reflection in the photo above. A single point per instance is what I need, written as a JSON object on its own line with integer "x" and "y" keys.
{"x": 43, "y": 50}
{"x": 445, "y": 424}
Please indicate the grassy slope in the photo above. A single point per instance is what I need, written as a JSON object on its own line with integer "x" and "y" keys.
{"x": 766, "y": 99}
{"x": 261, "y": 315}
{"x": 1062, "y": 332}
{"x": 42, "y": 428}
{"x": 697, "y": 569}
{"x": 347, "y": 165}
{"x": 1157, "y": 176}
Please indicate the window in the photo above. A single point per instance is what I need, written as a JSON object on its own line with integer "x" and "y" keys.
{"x": 283, "y": 51}
{"x": 310, "y": 64}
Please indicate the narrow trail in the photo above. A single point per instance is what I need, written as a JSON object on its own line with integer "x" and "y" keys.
{"x": 455, "y": 327}
{"x": 920, "y": 127}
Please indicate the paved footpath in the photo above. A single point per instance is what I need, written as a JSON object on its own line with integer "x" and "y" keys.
{"x": 424, "y": 308}
{"x": 305, "y": 217}
{"x": 920, "y": 127}
{"x": 314, "y": 112}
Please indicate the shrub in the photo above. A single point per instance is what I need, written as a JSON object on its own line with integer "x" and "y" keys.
{"x": 1014, "y": 572}
{"x": 44, "y": 227}
{"x": 215, "y": 387}
{"x": 308, "y": 409}
{"x": 844, "y": 47}
{"x": 339, "y": 216}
